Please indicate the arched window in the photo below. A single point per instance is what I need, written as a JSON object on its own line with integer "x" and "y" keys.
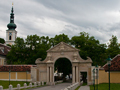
{"x": 10, "y": 37}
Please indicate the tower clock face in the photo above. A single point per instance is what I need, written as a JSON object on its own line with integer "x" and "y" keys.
{"x": 10, "y": 34}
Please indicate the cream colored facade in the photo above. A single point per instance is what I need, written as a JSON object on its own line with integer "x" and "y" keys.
{"x": 15, "y": 76}
{"x": 3, "y": 53}
{"x": 45, "y": 69}
{"x": 104, "y": 77}
{"x": 2, "y": 61}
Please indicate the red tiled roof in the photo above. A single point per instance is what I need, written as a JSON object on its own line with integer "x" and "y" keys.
{"x": 5, "y": 48}
{"x": 115, "y": 64}
{"x": 16, "y": 68}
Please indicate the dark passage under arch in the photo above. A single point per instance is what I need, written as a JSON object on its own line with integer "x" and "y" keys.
{"x": 64, "y": 66}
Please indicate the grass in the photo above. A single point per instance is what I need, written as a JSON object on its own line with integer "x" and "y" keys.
{"x": 5, "y": 84}
{"x": 105, "y": 86}
{"x": 77, "y": 88}
{"x": 84, "y": 84}
{"x": 81, "y": 85}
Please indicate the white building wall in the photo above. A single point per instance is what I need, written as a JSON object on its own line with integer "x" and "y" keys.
{"x": 14, "y": 35}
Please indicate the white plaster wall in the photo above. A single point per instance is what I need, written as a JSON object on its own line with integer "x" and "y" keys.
{"x": 14, "y": 35}
{"x": 33, "y": 74}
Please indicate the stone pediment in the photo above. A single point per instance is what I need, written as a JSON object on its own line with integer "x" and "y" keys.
{"x": 62, "y": 47}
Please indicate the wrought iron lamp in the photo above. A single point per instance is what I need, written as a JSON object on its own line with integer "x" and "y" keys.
{"x": 109, "y": 63}
{"x": 94, "y": 78}
{"x": 97, "y": 75}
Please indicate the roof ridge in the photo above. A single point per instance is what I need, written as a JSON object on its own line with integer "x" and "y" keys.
{"x": 115, "y": 64}
{"x": 5, "y": 45}
{"x": 17, "y": 65}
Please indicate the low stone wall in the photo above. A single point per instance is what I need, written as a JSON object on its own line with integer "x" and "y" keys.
{"x": 35, "y": 84}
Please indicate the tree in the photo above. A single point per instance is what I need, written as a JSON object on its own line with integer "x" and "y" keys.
{"x": 28, "y": 50}
{"x": 89, "y": 47}
{"x": 2, "y": 40}
{"x": 59, "y": 38}
{"x": 37, "y": 49}
{"x": 32, "y": 41}
{"x": 43, "y": 47}
{"x": 113, "y": 47}
{"x": 16, "y": 54}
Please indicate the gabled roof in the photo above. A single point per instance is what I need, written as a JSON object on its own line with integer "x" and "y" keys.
{"x": 16, "y": 68}
{"x": 62, "y": 46}
{"x": 4, "y": 49}
{"x": 115, "y": 64}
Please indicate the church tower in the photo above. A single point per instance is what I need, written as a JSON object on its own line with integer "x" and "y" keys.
{"x": 11, "y": 33}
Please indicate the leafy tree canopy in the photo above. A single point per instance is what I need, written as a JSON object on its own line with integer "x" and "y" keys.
{"x": 89, "y": 47}
{"x": 113, "y": 47}
{"x": 2, "y": 40}
{"x": 33, "y": 47}
{"x": 59, "y": 38}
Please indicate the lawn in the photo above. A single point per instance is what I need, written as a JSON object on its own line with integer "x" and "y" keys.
{"x": 5, "y": 84}
{"x": 105, "y": 86}
{"x": 81, "y": 85}
{"x": 77, "y": 88}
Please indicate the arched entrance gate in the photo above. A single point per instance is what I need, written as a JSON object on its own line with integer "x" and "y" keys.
{"x": 45, "y": 69}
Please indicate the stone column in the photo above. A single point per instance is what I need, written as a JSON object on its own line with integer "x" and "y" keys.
{"x": 77, "y": 74}
{"x": 73, "y": 74}
{"x": 50, "y": 74}
{"x": 47, "y": 74}
{"x": 39, "y": 79}
{"x": 53, "y": 75}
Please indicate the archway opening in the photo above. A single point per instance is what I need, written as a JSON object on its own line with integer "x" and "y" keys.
{"x": 84, "y": 78}
{"x": 10, "y": 37}
{"x": 63, "y": 70}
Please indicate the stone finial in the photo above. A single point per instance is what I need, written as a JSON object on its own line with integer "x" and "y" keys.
{"x": 1, "y": 87}
{"x": 38, "y": 60}
{"x": 49, "y": 57}
{"x": 25, "y": 85}
{"x": 10, "y": 87}
{"x": 62, "y": 47}
{"x": 18, "y": 86}
{"x": 38, "y": 83}
{"x": 30, "y": 84}
{"x": 35, "y": 84}
{"x": 75, "y": 55}
{"x": 42, "y": 82}
{"x": 89, "y": 59}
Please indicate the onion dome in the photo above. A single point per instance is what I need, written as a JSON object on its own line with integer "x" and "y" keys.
{"x": 11, "y": 25}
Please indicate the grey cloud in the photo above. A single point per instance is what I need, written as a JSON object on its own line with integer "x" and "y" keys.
{"x": 91, "y": 16}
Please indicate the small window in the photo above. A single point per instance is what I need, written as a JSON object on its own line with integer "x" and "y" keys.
{"x": 2, "y": 50}
{"x": 2, "y": 62}
{"x": 9, "y": 37}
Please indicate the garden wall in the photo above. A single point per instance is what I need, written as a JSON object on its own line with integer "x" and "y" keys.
{"x": 15, "y": 76}
{"x": 114, "y": 77}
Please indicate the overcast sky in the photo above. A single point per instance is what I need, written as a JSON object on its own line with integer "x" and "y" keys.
{"x": 99, "y": 18}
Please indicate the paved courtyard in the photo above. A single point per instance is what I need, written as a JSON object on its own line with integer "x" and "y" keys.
{"x": 55, "y": 87}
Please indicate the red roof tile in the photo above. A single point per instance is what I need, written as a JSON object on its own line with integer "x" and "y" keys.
{"x": 16, "y": 68}
{"x": 115, "y": 64}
